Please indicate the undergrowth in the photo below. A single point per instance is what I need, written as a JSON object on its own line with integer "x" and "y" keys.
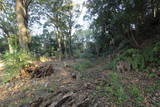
{"x": 113, "y": 90}
{"x": 135, "y": 95}
{"x": 140, "y": 60}
{"x": 82, "y": 65}
{"x": 117, "y": 94}
{"x": 14, "y": 62}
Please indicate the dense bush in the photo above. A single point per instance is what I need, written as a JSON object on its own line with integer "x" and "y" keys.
{"x": 134, "y": 57}
{"x": 140, "y": 60}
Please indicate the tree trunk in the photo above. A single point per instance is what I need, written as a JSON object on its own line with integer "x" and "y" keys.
{"x": 59, "y": 41}
{"x": 65, "y": 47}
{"x": 22, "y": 20}
{"x": 70, "y": 45}
{"x": 12, "y": 44}
{"x": 133, "y": 37}
{"x": 70, "y": 36}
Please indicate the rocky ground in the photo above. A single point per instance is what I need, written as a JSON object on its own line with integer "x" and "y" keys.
{"x": 56, "y": 84}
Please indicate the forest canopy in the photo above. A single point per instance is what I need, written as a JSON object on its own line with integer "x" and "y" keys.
{"x": 115, "y": 25}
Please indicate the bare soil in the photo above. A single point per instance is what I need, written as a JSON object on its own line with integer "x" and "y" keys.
{"x": 53, "y": 84}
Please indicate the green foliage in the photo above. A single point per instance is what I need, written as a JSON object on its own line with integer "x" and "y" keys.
{"x": 135, "y": 58}
{"x": 135, "y": 94}
{"x": 152, "y": 54}
{"x": 77, "y": 53}
{"x": 116, "y": 89}
{"x": 113, "y": 90}
{"x": 43, "y": 45}
{"x": 116, "y": 23}
{"x": 14, "y": 62}
{"x": 62, "y": 20}
{"x": 112, "y": 64}
{"x": 139, "y": 60}
{"x": 82, "y": 65}
{"x": 6, "y": 77}
{"x": 87, "y": 55}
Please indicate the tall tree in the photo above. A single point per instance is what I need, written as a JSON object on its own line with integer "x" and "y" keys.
{"x": 122, "y": 23}
{"x": 22, "y": 20}
{"x": 61, "y": 18}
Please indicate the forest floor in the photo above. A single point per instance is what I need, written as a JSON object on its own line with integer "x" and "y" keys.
{"x": 94, "y": 86}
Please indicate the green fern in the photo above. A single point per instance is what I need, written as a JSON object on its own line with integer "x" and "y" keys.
{"x": 134, "y": 58}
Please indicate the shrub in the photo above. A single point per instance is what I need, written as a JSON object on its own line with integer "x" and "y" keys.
{"x": 14, "y": 62}
{"x": 112, "y": 64}
{"x": 152, "y": 55}
{"x": 134, "y": 57}
{"x": 140, "y": 60}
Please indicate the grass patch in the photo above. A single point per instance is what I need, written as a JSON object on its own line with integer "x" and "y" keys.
{"x": 135, "y": 95}
{"x": 82, "y": 65}
{"x": 7, "y": 77}
{"x": 14, "y": 62}
{"x": 118, "y": 94}
{"x": 113, "y": 90}
{"x": 20, "y": 103}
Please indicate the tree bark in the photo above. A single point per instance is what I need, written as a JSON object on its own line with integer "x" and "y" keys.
{"x": 59, "y": 42}
{"x": 70, "y": 44}
{"x": 12, "y": 43}
{"x": 22, "y": 20}
{"x": 70, "y": 36}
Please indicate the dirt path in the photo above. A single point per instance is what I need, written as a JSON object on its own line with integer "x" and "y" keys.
{"x": 54, "y": 90}
{"x": 66, "y": 87}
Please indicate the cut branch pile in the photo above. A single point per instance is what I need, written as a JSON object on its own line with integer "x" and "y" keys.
{"x": 37, "y": 71}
